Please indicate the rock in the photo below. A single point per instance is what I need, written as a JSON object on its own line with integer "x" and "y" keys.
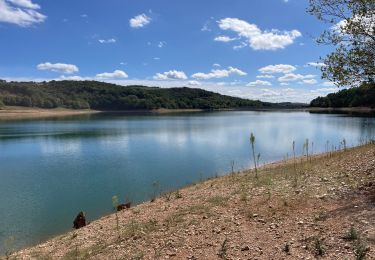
{"x": 346, "y": 246}
{"x": 169, "y": 253}
{"x": 245, "y": 248}
{"x": 80, "y": 220}
{"x": 123, "y": 206}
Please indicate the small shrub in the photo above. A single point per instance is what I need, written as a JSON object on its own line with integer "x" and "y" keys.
{"x": 178, "y": 194}
{"x": 223, "y": 250}
{"x": 115, "y": 204}
{"x": 252, "y": 142}
{"x": 319, "y": 249}
{"x": 360, "y": 251}
{"x": 351, "y": 234}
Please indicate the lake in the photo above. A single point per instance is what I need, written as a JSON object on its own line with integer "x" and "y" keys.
{"x": 50, "y": 169}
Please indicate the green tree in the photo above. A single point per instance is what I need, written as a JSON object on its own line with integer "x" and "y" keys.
{"x": 352, "y": 33}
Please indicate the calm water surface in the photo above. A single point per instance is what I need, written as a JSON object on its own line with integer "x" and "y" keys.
{"x": 53, "y": 168}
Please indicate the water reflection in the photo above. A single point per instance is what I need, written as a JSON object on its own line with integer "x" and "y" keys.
{"x": 53, "y": 168}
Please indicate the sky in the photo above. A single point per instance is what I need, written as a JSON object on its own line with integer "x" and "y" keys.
{"x": 256, "y": 49}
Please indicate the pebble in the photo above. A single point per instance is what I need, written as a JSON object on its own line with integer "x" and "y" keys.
{"x": 245, "y": 248}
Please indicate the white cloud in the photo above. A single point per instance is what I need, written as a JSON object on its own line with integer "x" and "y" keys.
{"x": 216, "y": 65}
{"x": 269, "y": 93}
{"x": 259, "y": 83}
{"x": 58, "y": 67}
{"x": 117, "y": 74}
{"x": 171, "y": 75}
{"x": 258, "y": 39}
{"x": 20, "y": 12}
{"x": 310, "y": 81}
{"x": 284, "y": 84}
{"x": 223, "y": 38}
{"x": 240, "y": 46}
{"x": 323, "y": 91}
{"x": 328, "y": 84}
{"x": 161, "y": 44}
{"x": 224, "y": 73}
{"x": 194, "y": 83}
{"x": 25, "y": 3}
{"x": 265, "y": 76}
{"x": 279, "y": 68}
{"x": 367, "y": 22}
{"x": 76, "y": 78}
{"x": 316, "y": 64}
{"x": 112, "y": 40}
{"x": 294, "y": 77}
{"x": 139, "y": 21}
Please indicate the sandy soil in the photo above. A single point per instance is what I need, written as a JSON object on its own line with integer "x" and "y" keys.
{"x": 9, "y": 113}
{"x": 321, "y": 207}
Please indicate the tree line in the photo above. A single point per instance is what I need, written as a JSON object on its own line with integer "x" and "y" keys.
{"x": 105, "y": 96}
{"x": 363, "y": 96}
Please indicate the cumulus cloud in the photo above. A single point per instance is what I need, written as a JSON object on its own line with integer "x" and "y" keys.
{"x": 139, "y": 21}
{"x": 294, "y": 77}
{"x": 224, "y": 39}
{"x": 279, "y": 68}
{"x": 117, "y": 74}
{"x": 323, "y": 91}
{"x": 112, "y": 40}
{"x": 269, "y": 93}
{"x": 224, "y": 73}
{"x": 58, "y": 67}
{"x": 258, "y": 39}
{"x": 20, "y": 12}
{"x": 194, "y": 83}
{"x": 25, "y": 3}
{"x": 171, "y": 75}
{"x": 328, "y": 84}
{"x": 265, "y": 76}
{"x": 259, "y": 83}
{"x": 310, "y": 81}
{"x": 76, "y": 78}
{"x": 316, "y": 64}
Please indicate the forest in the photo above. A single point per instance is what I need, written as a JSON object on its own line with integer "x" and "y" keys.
{"x": 109, "y": 97}
{"x": 363, "y": 96}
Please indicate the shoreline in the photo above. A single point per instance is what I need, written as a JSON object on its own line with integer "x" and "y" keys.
{"x": 9, "y": 112}
{"x": 146, "y": 210}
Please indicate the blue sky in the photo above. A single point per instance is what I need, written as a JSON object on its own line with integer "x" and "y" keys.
{"x": 258, "y": 49}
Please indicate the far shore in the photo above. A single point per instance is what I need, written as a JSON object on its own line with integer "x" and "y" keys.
{"x": 13, "y": 112}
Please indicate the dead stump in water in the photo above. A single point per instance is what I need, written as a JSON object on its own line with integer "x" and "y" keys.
{"x": 80, "y": 220}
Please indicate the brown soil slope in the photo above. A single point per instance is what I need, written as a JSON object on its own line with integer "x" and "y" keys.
{"x": 323, "y": 207}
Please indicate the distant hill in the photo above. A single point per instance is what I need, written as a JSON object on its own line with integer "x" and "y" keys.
{"x": 105, "y": 96}
{"x": 363, "y": 96}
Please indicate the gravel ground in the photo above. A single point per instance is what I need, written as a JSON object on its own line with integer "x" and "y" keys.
{"x": 319, "y": 207}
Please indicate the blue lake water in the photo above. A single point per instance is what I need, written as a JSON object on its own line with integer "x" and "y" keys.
{"x": 50, "y": 169}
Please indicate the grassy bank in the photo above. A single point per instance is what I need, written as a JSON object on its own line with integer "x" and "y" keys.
{"x": 321, "y": 206}
{"x": 13, "y": 112}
